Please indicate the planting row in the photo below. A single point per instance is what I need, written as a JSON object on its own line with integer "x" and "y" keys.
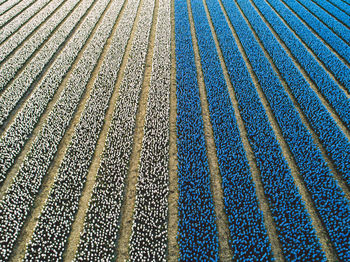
{"x": 12, "y": 37}
{"x": 150, "y": 230}
{"x": 197, "y": 235}
{"x": 342, "y": 5}
{"x": 340, "y": 29}
{"x": 332, "y": 138}
{"x": 331, "y": 9}
{"x": 21, "y": 19}
{"x": 323, "y": 31}
{"x": 20, "y": 196}
{"x": 293, "y": 224}
{"x": 72, "y": 173}
{"x": 32, "y": 71}
{"x": 14, "y": 11}
{"x": 249, "y": 238}
{"x": 14, "y": 138}
{"x": 333, "y": 209}
{"x": 6, "y": 5}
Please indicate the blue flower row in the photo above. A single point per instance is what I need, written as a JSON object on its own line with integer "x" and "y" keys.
{"x": 197, "y": 236}
{"x": 249, "y": 239}
{"x": 293, "y": 225}
{"x": 329, "y": 200}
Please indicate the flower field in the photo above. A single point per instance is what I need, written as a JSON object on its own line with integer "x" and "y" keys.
{"x": 175, "y": 130}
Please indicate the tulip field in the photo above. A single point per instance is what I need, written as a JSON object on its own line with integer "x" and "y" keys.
{"x": 174, "y": 130}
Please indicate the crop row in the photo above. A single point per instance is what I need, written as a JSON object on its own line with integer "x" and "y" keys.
{"x": 323, "y": 31}
{"x": 249, "y": 238}
{"x": 12, "y": 36}
{"x": 21, "y": 19}
{"x": 332, "y": 138}
{"x": 47, "y": 37}
{"x": 71, "y": 177}
{"x": 11, "y": 13}
{"x": 101, "y": 225}
{"x": 25, "y": 80}
{"x": 150, "y": 230}
{"x": 340, "y": 15}
{"x": 33, "y": 43}
{"x": 342, "y": 5}
{"x": 20, "y": 196}
{"x": 340, "y": 29}
{"x": 340, "y": 70}
{"x": 6, "y": 5}
{"x": 293, "y": 224}
{"x": 14, "y": 138}
{"x": 197, "y": 231}
{"x": 334, "y": 208}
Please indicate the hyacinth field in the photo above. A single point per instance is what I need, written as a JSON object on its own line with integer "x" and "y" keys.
{"x": 174, "y": 130}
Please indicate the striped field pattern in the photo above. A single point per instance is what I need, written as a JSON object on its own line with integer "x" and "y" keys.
{"x": 174, "y": 130}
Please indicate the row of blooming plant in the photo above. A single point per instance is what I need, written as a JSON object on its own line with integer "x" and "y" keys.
{"x": 334, "y": 210}
{"x": 294, "y": 228}
{"x": 197, "y": 237}
{"x": 54, "y": 224}
{"x": 17, "y": 133}
{"x": 239, "y": 192}
{"x": 332, "y": 138}
{"x": 19, "y": 198}
{"x": 149, "y": 237}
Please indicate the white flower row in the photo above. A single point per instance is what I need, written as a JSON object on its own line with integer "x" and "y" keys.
{"x": 54, "y": 223}
{"x": 5, "y": 5}
{"x": 16, "y": 135}
{"x": 101, "y": 225}
{"x": 21, "y": 194}
{"x": 17, "y": 30}
{"x": 22, "y": 18}
{"x": 149, "y": 230}
{"x": 46, "y": 33}
{"x": 15, "y": 10}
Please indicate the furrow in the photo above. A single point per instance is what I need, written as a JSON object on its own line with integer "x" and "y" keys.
{"x": 23, "y": 18}
{"x": 330, "y": 129}
{"x": 21, "y": 126}
{"x": 44, "y": 148}
{"x": 72, "y": 172}
{"x": 173, "y": 196}
{"x": 16, "y": 10}
{"x": 197, "y": 231}
{"x": 15, "y": 64}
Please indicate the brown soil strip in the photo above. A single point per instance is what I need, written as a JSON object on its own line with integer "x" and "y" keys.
{"x": 122, "y": 252}
{"x": 311, "y": 29}
{"x": 225, "y": 252}
{"x": 173, "y": 197}
{"x": 303, "y": 118}
{"x": 40, "y": 77}
{"x": 269, "y": 222}
{"x": 315, "y": 220}
{"x": 28, "y": 228}
{"x": 313, "y": 86}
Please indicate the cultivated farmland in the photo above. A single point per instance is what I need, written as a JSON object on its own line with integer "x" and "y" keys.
{"x": 175, "y": 130}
